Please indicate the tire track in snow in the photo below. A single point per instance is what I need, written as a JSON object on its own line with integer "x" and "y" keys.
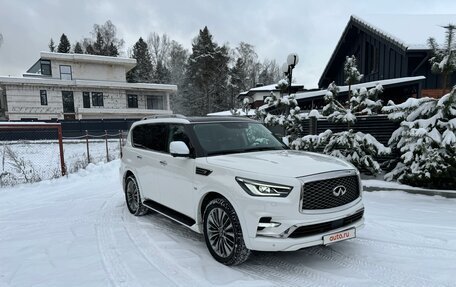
{"x": 379, "y": 273}
{"x": 153, "y": 254}
{"x": 424, "y": 250}
{"x": 269, "y": 266}
{"x": 119, "y": 273}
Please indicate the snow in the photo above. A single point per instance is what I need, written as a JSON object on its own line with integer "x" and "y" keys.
{"x": 305, "y": 95}
{"x": 76, "y": 231}
{"x": 241, "y": 112}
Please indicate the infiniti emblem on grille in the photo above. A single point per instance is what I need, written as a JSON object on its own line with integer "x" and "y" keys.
{"x": 339, "y": 190}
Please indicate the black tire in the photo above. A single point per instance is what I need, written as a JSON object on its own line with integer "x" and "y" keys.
{"x": 224, "y": 241}
{"x": 133, "y": 197}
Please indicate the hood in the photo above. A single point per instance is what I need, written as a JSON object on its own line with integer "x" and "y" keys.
{"x": 288, "y": 163}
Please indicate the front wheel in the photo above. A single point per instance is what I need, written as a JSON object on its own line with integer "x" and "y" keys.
{"x": 223, "y": 233}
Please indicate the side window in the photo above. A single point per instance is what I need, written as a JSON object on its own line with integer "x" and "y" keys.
{"x": 177, "y": 133}
{"x": 156, "y": 137}
{"x": 138, "y": 137}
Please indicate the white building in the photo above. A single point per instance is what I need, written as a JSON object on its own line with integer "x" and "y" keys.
{"x": 80, "y": 86}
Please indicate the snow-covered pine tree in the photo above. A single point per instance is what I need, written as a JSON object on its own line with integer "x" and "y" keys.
{"x": 64, "y": 45}
{"x": 205, "y": 88}
{"x": 357, "y": 147}
{"x": 51, "y": 46}
{"x": 352, "y": 75}
{"x": 285, "y": 112}
{"x": 444, "y": 59}
{"x": 78, "y": 48}
{"x": 427, "y": 141}
{"x": 142, "y": 72}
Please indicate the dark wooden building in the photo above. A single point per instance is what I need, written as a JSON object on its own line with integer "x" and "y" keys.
{"x": 382, "y": 56}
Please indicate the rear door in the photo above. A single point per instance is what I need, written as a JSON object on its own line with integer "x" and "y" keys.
{"x": 150, "y": 144}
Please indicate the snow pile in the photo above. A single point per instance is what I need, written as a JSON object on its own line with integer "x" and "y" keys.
{"x": 427, "y": 141}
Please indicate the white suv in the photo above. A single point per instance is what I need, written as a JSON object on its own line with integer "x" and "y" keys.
{"x": 232, "y": 180}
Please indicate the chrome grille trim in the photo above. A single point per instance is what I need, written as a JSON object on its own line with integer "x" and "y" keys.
{"x": 329, "y": 176}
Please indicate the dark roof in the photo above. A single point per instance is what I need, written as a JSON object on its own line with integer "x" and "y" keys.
{"x": 362, "y": 25}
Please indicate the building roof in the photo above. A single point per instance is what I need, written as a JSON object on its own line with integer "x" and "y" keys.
{"x": 410, "y": 30}
{"x": 406, "y": 32}
{"x": 228, "y": 113}
{"x": 87, "y": 83}
{"x": 269, "y": 88}
{"x": 86, "y": 58}
{"x": 344, "y": 89}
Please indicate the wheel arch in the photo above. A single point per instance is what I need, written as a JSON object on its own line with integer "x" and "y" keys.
{"x": 127, "y": 174}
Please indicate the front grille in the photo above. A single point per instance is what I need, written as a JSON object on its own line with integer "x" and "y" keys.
{"x": 320, "y": 194}
{"x": 326, "y": 226}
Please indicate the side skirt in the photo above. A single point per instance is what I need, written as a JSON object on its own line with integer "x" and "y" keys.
{"x": 170, "y": 213}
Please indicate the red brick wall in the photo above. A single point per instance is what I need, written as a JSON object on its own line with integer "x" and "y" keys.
{"x": 433, "y": 93}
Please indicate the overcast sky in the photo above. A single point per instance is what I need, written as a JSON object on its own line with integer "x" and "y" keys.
{"x": 275, "y": 28}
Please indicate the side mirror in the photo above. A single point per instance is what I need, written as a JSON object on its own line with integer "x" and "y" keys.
{"x": 179, "y": 149}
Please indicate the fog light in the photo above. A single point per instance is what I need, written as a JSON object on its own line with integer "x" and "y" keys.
{"x": 268, "y": 224}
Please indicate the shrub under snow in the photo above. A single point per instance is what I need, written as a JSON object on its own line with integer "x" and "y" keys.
{"x": 427, "y": 141}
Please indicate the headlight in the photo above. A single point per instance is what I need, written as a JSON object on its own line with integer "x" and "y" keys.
{"x": 260, "y": 188}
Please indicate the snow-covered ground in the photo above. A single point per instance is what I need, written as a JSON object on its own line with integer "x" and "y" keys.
{"x": 76, "y": 231}
{"x": 41, "y": 159}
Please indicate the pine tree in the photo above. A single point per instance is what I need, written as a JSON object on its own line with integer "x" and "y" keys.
{"x": 78, "y": 48}
{"x": 357, "y": 147}
{"x": 444, "y": 59}
{"x": 143, "y": 71}
{"x": 51, "y": 45}
{"x": 352, "y": 75}
{"x": 64, "y": 45}
{"x": 426, "y": 139}
{"x": 205, "y": 88}
{"x": 162, "y": 74}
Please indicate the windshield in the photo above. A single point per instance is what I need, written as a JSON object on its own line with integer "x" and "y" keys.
{"x": 235, "y": 137}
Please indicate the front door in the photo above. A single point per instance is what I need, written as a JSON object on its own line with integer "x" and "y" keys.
{"x": 68, "y": 105}
{"x": 177, "y": 175}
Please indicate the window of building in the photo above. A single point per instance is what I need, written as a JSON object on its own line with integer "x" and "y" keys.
{"x": 155, "y": 103}
{"x": 43, "y": 97}
{"x": 370, "y": 59}
{"x": 65, "y": 72}
{"x": 86, "y": 99}
{"x": 132, "y": 101}
{"x": 97, "y": 99}
{"x": 45, "y": 67}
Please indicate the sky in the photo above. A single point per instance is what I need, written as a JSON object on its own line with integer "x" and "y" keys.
{"x": 276, "y": 28}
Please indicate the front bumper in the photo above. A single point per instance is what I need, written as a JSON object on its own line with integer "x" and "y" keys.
{"x": 263, "y": 243}
{"x": 285, "y": 218}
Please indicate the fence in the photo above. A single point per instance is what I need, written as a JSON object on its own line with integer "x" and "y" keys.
{"x": 30, "y": 152}
{"x": 92, "y": 148}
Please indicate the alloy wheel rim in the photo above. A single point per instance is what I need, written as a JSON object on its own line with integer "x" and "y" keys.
{"x": 132, "y": 196}
{"x": 220, "y": 232}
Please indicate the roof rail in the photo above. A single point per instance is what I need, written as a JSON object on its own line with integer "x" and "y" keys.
{"x": 164, "y": 116}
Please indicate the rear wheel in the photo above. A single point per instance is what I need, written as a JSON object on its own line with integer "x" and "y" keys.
{"x": 223, "y": 233}
{"x": 133, "y": 197}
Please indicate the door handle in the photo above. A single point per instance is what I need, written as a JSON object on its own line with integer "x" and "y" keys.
{"x": 139, "y": 157}
{"x": 163, "y": 162}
